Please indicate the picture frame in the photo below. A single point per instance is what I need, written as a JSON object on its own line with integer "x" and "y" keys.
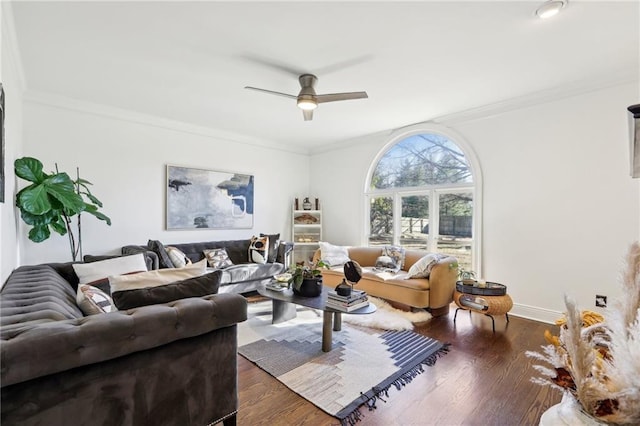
{"x": 208, "y": 199}
{"x": 2, "y": 154}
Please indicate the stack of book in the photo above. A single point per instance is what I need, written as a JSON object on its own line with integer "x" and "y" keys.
{"x": 357, "y": 299}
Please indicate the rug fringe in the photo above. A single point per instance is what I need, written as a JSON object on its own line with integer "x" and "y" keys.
{"x": 377, "y": 393}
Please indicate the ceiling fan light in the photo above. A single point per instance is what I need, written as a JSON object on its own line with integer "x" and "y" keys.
{"x": 307, "y": 104}
{"x": 550, "y": 8}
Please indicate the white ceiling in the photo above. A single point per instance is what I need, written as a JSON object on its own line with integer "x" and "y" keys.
{"x": 417, "y": 60}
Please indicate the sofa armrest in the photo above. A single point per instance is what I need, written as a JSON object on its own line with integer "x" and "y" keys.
{"x": 48, "y": 348}
{"x": 442, "y": 282}
{"x": 285, "y": 250}
{"x": 149, "y": 255}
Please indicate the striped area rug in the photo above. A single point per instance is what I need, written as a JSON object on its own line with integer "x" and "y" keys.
{"x": 363, "y": 366}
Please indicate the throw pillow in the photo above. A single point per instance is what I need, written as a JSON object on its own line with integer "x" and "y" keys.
{"x": 422, "y": 268}
{"x": 386, "y": 263}
{"x": 136, "y": 289}
{"x": 157, "y": 247}
{"x": 258, "y": 249}
{"x": 274, "y": 242}
{"x": 91, "y": 300}
{"x": 333, "y": 255}
{"x": 397, "y": 253}
{"x": 178, "y": 258}
{"x": 89, "y": 272}
{"x": 218, "y": 258}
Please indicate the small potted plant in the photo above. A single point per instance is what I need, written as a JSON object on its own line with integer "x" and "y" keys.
{"x": 306, "y": 280}
{"x": 467, "y": 276}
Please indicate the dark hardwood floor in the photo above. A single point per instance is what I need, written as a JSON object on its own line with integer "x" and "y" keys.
{"x": 483, "y": 380}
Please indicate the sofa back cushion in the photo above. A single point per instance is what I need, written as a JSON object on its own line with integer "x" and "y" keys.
{"x": 238, "y": 250}
{"x": 33, "y": 295}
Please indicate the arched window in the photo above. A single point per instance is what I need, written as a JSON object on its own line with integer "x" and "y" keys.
{"x": 422, "y": 195}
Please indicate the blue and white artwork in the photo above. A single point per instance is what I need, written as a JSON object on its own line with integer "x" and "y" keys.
{"x": 198, "y": 198}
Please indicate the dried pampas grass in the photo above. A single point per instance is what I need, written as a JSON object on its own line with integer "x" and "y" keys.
{"x": 599, "y": 363}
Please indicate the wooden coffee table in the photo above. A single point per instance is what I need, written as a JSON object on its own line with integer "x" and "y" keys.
{"x": 284, "y": 308}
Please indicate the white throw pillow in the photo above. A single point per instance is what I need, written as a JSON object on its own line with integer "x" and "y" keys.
{"x": 94, "y": 271}
{"x": 422, "y": 268}
{"x": 178, "y": 258}
{"x": 156, "y": 277}
{"x": 91, "y": 300}
{"x": 334, "y": 255}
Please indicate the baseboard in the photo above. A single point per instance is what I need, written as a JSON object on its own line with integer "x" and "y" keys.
{"x": 535, "y": 313}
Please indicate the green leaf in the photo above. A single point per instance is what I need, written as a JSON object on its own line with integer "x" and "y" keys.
{"x": 40, "y": 219}
{"x": 91, "y": 209}
{"x": 58, "y": 224}
{"x": 34, "y": 200}
{"x": 93, "y": 199}
{"x": 29, "y": 169}
{"x": 39, "y": 233}
{"x": 61, "y": 187}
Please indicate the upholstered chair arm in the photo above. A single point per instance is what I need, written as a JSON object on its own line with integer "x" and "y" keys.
{"x": 285, "y": 250}
{"x": 442, "y": 282}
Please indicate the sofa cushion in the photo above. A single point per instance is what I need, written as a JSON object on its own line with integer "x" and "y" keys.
{"x": 164, "y": 261}
{"x": 162, "y": 286}
{"x": 95, "y": 271}
{"x": 92, "y": 301}
{"x": 333, "y": 255}
{"x": 150, "y": 258}
{"x": 274, "y": 242}
{"x": 177, "y": 257}
{"x": 422, "y": 268}
{"x": 397, "y": 253}
{"x": 259, "y": 249}
{"x": 218, "y": 258}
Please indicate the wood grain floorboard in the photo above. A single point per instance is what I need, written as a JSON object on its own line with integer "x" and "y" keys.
{"x": 483, "y": 380}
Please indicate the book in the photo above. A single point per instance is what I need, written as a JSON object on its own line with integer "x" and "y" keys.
{"x": 355, "y": 295}
{"x": 347, "y": 302}
{"x": 347, "y": 308}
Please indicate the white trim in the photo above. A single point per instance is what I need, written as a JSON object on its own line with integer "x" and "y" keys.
{"x": 534, "y": 313}
{"x": 64, "y": 102}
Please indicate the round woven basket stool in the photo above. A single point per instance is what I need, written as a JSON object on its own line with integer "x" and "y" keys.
{"x": 484, "y": 304}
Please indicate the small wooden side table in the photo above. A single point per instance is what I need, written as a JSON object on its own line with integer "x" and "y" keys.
{"x": 488, "y": 305}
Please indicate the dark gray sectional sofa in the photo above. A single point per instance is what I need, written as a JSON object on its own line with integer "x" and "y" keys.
{"x": 243, "y": 277}
{"x": 165, "y": 364}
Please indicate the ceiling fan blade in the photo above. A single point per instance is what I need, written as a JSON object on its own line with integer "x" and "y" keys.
{"x": 271, "y": 92}
{"x": 332, "y": 97}
{"x": 308, "y": 114}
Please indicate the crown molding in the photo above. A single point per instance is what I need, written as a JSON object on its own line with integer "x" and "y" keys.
{"x": 63, "y": 102}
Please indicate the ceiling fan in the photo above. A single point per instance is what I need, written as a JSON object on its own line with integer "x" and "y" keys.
{"x": 308, "y": 100}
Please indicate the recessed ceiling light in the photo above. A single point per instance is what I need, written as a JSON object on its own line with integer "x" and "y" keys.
{"x": 550, "y": 8}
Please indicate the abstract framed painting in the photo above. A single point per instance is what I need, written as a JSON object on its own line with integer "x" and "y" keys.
{"x": 199, "y": 199}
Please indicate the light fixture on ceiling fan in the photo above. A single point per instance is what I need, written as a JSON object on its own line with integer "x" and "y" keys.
{"x": 307, "y": 100}
{"x": 550, "y": 8}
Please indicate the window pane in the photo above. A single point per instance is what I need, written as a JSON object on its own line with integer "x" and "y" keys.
{"x": 415, "y": 222}
{"x": 455, "y": 214}
{"x": 381, "y": 221}
{"x": 419, "y": 160}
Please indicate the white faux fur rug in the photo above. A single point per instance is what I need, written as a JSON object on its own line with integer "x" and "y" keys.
{"x": 387, "y": 317}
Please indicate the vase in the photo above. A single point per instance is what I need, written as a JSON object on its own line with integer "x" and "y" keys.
{"x": 310, "y": 287}
{"x": 568, "y": 412}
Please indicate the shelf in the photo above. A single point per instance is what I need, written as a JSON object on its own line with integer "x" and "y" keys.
{"x": 307, "y": 211}
{"x": 307, "y": 225}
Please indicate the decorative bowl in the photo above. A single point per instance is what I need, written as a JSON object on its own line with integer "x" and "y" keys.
{"x": 282, "y": 278}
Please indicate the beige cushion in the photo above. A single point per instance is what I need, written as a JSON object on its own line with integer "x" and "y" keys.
{"x": 94, "y": 271}
{"x": 156, "y": 277}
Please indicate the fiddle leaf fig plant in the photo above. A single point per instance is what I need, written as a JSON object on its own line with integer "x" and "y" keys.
{"x": 52, "y": 200}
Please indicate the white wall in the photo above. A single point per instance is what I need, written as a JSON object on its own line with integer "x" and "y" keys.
{"x": 11, "y": 80}
{"x": 560, "y": 209}
{"x": 126, "y": 162}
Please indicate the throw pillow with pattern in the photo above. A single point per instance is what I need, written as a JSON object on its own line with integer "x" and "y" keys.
{"x": 92, "y": 301}
{"x": 259, "y": 249}
{"x": 218, "y": 258}
{"x": 397, "y": 253}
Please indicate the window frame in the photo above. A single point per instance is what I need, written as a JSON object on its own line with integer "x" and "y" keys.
{"x": 432, "y": 191}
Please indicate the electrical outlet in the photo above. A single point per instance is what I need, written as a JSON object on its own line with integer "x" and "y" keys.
{"x": 601, "y": 301}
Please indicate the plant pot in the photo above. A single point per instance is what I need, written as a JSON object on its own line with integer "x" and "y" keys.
{"x": 310, "y": 287}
